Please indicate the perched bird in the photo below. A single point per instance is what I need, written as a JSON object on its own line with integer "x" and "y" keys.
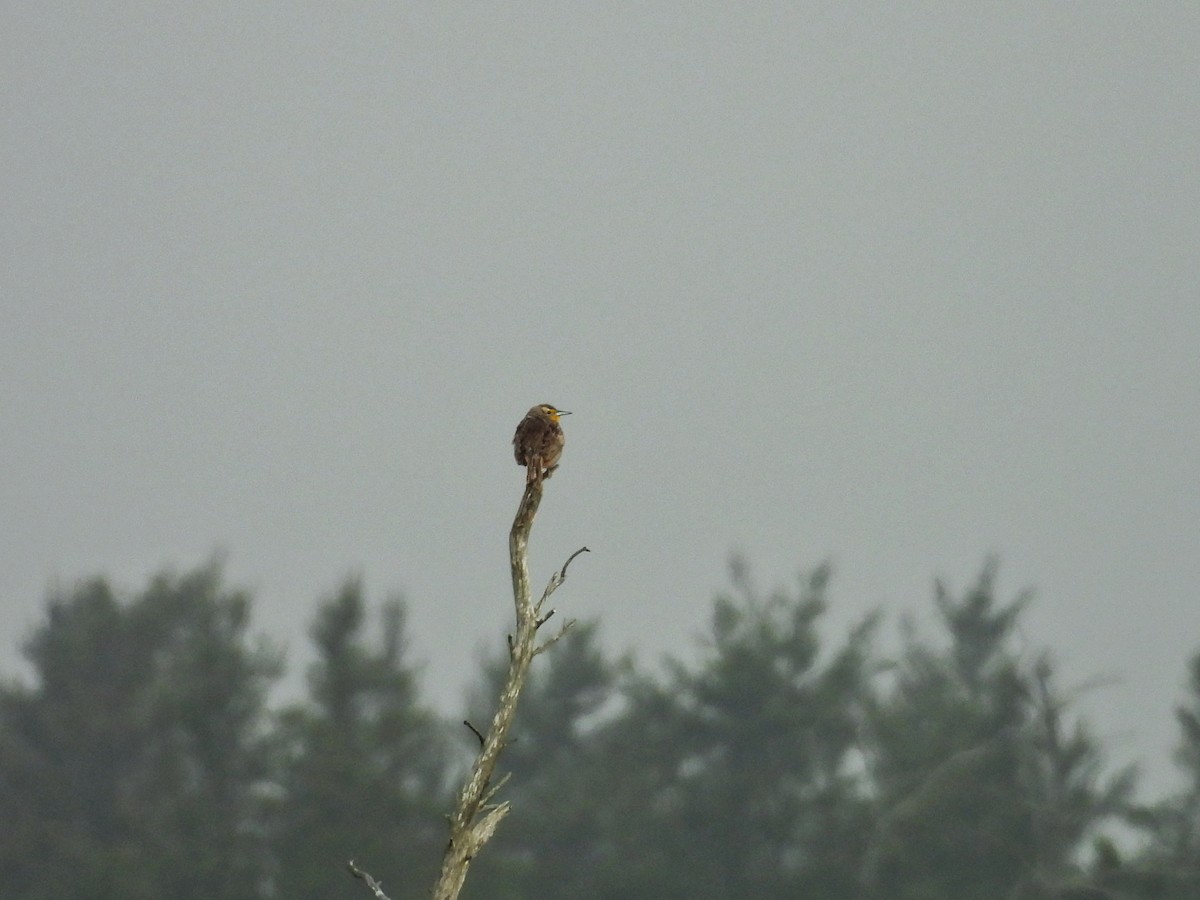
{"x": 539, "y": 441}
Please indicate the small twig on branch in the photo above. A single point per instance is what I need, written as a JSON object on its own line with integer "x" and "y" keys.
{"x": 567, "y": 626}
{"x": 374, "y": 885}
{"x": 562, "y": 575}
{"x": 556, "y": 581}
{"x": 487, "y": 798}
{"x": 475, "y": 731}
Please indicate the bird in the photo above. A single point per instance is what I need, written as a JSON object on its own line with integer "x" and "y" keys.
{"x": 538, "y": 442}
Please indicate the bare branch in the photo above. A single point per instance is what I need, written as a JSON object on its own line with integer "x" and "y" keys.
{"x": 487, "y": 798}
{"x": 375, "y": 886}
{"x": 567, "y": 626}
{"x": 475, "y": 817}
{"x": 570, "y": 559}
{"x": 556, "y": 581}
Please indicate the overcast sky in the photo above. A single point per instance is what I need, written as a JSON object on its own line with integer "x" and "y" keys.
{"x": 895, "y": 286}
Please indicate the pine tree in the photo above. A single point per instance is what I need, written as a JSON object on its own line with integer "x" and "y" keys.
{"x": 364, "y": 761}
{"x": 736, "y": 776}
{"x": 134, "y": 766}
{"x": 1168, "y": 868}
{"x": 983, "y": 790}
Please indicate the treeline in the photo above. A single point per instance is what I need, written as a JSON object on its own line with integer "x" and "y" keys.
{"x": 144, "y": 760}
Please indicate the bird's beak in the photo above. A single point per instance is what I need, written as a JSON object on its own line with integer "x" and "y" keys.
{"x": 563, "y": 412}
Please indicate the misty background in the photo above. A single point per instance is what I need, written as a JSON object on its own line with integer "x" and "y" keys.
{"x": 894, "y": 287}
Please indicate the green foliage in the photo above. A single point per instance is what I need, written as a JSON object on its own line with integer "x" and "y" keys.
{"x": 363, "y": 767}
{"x": 730, "y": 779}
{"x": 983, "y": 791}
{"x": 763, "y": 798}
{"x": 133, "y": 768}
{"x": 141, "y": 762}
{"x": 1182, "y": 843}
{"x": 1169, "y": 866}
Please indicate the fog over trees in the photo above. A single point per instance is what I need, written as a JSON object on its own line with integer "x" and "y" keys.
{"x": 144, "y": 758}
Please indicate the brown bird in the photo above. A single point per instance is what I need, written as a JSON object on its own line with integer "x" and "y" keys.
{"x": 539, "y": 441}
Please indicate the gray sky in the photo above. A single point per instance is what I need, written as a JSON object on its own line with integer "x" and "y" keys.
{"x": 895, "y": 286}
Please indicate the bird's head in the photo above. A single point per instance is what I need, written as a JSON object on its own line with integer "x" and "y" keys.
{"x": 551, "y": 413}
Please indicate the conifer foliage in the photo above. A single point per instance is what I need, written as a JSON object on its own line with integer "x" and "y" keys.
{"x": 775, "y": 758}
{"x": 134, "y": 766}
